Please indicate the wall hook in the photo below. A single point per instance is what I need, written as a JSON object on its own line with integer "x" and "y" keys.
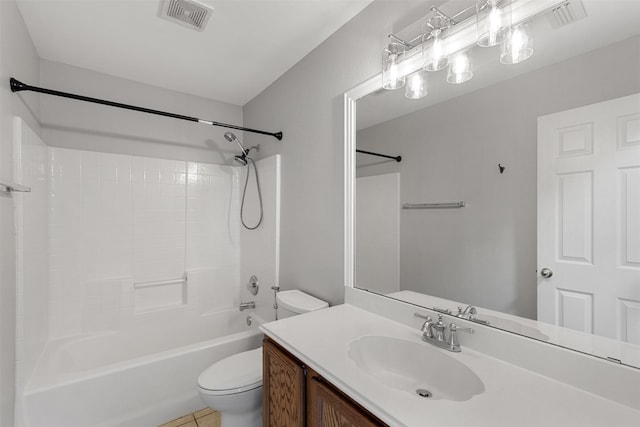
{"x": 501, "y": 168}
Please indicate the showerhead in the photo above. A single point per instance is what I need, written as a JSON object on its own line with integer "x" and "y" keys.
{"x": 241, "y": 159}
{"x": 229, "y": 136}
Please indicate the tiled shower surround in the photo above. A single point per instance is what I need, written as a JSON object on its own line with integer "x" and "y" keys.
{"x": 120, "y": 221}
{"x": 117, "y": 222}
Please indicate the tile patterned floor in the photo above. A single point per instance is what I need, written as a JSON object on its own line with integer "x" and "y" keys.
{"x": 202, "y": 418}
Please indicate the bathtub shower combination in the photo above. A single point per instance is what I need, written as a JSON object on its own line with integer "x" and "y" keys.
{"x": 130, "y": 274}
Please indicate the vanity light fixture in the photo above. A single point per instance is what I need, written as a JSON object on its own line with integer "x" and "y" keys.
{"x": 460, "y": 69}
{"x": 493, "y": 19}
{"x": 392, "y": 77}
{"x": 493, "y": 24}
{"x": 435, "y": 55}
{"x": 518, "y": 45}
{"x": 416, "y": 86}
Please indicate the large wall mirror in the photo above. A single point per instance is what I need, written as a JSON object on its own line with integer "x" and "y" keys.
{"x": 517, "y": 191}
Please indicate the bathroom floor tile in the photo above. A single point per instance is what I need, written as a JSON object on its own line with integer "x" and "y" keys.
{"x": 179, "y": 422}
{"x": 211, "y": 420}
{"x": 203, "y": 418}
{"x": 202, "y": 412}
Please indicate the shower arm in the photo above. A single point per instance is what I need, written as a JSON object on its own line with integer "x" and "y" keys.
{"x": 18, "y": 86}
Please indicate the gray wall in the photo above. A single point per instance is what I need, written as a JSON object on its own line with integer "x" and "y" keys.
{"x": 306, "y": 103}
{"x": 17, "y": 58}
{"x": 485, "y": 254}
{"x": 73, "y": 124}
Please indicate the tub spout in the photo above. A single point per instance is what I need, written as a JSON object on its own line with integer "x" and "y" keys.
{"x": 247, "y": 305}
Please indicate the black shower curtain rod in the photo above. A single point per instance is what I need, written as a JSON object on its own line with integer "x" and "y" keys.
{"x": 371, "y": 153}
{"x": 18, "y": 86}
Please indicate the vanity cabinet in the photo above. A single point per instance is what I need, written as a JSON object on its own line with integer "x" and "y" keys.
{"x": 296, "y": 396}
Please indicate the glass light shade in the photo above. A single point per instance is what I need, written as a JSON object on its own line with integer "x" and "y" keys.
{"x": 435, "y": 56}
{"x": 460, "y": 68}
{"x": 392, "y": 76}
{"x": 416, "y": 87}
{"x": 493, "y": 18}
{"x": 518, "y": 45}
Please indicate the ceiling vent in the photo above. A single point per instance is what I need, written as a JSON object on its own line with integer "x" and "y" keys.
{"x": 188, "y": 13}
{"x": 566, "y": 13}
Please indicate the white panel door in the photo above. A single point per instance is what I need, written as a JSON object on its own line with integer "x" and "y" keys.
{"x": 589, "y": 218}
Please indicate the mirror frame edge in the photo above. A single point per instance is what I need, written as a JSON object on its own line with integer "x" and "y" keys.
{"x": 350, "y": 97}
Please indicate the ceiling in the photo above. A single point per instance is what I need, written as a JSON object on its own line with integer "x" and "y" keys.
{"x": 607, "y": 22}
{"x": 244, "y": 48}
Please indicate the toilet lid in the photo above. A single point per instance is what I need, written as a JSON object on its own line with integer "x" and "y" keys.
{"x": 299, "y": 302}
{"x": 235, "y": 374}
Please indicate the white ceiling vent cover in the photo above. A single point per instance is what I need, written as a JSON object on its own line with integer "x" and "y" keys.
{"x": 566, "y": 13}
{"x": 188, "y": 13}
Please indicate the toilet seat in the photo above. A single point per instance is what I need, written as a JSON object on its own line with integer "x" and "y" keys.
{"x": 235, "y": 374}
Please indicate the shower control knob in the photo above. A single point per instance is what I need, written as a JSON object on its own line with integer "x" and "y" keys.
{"x": 546, "y": 273}
{"x": 253, "y": 285}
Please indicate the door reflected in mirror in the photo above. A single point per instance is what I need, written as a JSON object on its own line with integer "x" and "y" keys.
{"x": 520, "y": 187}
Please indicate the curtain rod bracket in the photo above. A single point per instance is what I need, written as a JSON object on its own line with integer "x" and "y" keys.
{"x": 18, "y": 86}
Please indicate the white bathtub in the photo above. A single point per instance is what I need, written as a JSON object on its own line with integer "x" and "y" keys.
{"x": 130, "y": 379}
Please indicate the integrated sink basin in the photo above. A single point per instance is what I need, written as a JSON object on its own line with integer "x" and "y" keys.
{"x": 415, "y": 367}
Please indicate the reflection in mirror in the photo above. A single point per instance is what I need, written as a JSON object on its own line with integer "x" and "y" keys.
{"x": 545, "y": 155}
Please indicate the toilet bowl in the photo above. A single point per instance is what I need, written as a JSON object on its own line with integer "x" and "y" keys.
{"x": 233, "y": 386}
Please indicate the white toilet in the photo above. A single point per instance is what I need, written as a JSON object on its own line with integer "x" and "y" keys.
{"x": 233, "y": 385}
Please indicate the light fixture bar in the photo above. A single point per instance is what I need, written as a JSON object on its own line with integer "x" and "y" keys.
{"x": 443, "y": 16}
{"x": 465, "y": 34}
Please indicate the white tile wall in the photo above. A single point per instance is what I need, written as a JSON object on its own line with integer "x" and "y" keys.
{"x": 30, "y": 156}
{"x": 117, "y": 220}
{"x": 159, "y": 204}
{"x": 213, "y": 235}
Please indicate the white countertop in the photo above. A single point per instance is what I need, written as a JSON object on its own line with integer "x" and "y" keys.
{"x": 513, "y": 396}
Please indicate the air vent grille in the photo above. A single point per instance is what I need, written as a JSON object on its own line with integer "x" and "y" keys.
{"x": 566, "y": 13}
{"x": 188, "y": 13}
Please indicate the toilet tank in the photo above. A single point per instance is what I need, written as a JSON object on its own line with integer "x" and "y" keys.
{"x": 293, "y": 302}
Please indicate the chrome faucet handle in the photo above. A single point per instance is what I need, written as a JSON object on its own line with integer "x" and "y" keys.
{"x": 454, "y": 345}
{"x": 426, "y": 326}
{"x": 453, "y": 327}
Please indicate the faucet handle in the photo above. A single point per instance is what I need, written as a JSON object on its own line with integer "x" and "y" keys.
{"x": 453, "y": 328}
{"x": 454, "y": 345}
{"x": 426, "y": 326}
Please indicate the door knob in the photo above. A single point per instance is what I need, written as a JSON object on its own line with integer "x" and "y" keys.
{"x": 546, "y": 273}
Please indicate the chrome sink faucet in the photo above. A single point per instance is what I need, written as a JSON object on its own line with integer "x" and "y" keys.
{"x": 435, "y": 333}
{"x": 469, "y": 313}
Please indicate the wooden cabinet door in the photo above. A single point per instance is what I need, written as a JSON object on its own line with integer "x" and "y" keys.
{"x": 327, "y": 407}
{"x": 283, "y": 395}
